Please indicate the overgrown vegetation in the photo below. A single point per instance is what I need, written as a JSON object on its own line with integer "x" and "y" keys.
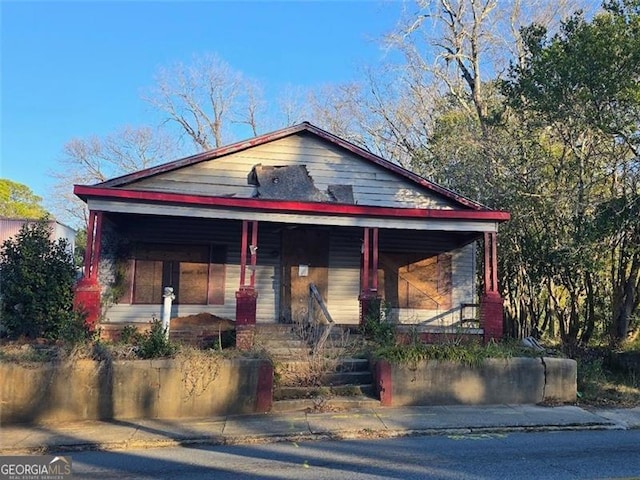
{"x": 601, "y": 382}
{"x": 155, "y": 342}
{"x": 199, "y": 368}
{"x": 378, "y": 328}
{"x": 380, "y": 332}
{"x": 306, "y": 367}
{"x": 472, "y": 354}
{"x": 36, "y": 297}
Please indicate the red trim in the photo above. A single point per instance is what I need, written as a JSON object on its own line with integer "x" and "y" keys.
{"x": 97, "y": 242}
{"x": 490, "y": 263}
{"x": 91, "y": 224}
{"x": 487, "y": 276}
{"x": 365, "y": 276}
{"x": 243, "y": 252}
{"x": 254, "y": 254}
{"x": 494, "y": 261}
{"x": 287, "y": 206}
{"x": 374, "y": 273}
{"x": 285, "y": 132}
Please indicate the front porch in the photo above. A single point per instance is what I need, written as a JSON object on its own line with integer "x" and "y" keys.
{"x": 258, "y": 272}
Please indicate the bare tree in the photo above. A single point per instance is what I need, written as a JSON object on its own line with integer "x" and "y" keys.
{"x": 204, "y": 98}
{"x": 461, "y": 44}
{"x": 94, "y": 160}
{"x": 292, "y": 106}
{"x": 252, "y": 108}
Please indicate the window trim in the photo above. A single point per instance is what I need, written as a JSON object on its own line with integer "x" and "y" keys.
{"x": 167, "y": 254}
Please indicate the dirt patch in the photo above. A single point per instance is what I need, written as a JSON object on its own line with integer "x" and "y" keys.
{"x": 203, "y": 319}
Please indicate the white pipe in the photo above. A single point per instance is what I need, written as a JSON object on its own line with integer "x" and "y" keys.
{"x": 166, "y": 309}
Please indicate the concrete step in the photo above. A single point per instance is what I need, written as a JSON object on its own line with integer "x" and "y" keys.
{"x": 346, "y": 378}
{"x": 284, "y": 354}
{"x": 275, "y": 328}
{"x": 339, "y": 334}
{"x": 342, "y": 364}
{"x": 298, "y": 351}
{"x": 291, "y": 393}
{"x": 281, "y": 343}
{"x": 346, "y": 364}
{"x": 324, "y": 404}
{"x": 331, "y": 352}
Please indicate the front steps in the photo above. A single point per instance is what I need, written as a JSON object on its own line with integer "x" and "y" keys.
{"x": 335, "y": 378}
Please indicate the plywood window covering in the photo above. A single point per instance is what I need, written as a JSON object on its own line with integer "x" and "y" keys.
{"x": 416, "y": 281}
{"x": 147, "y": 282}
{"x": 196, "y": 273}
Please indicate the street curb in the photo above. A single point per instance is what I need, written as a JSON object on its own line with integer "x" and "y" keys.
{"x": 341, "y": 435}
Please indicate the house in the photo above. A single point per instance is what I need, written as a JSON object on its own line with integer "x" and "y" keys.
{"x": 242, "y": 231}
{"x": 9, "y": 228}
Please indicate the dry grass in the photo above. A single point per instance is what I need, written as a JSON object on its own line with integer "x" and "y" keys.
{"x": 602, "y": 385}
{"x": 617, "y": 390}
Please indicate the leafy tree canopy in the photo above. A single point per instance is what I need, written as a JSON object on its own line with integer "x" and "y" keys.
{"x": 18, "y": 201}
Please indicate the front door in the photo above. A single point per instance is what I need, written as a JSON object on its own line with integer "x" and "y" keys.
{"x": 305, "y": 260}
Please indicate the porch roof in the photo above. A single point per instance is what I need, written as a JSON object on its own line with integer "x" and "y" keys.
{"x": 162, "y": 203}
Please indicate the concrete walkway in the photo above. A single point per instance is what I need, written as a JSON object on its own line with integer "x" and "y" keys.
{"x": 297, "y": 426}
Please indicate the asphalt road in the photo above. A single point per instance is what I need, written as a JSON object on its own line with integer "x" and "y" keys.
{"x": 611, "y": 454}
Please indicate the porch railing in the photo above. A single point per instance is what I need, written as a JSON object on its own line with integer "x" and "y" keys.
{"x": 469, "y": 315}
{"x": 320, "y": 334}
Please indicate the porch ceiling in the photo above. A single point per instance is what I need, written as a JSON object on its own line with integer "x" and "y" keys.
{"x": 138, "y": 226}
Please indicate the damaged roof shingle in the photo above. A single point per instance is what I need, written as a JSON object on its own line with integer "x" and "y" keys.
{"x": 293, "y": 182}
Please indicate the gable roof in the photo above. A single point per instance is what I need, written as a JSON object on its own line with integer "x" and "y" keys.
{"x": 304, "y": 127}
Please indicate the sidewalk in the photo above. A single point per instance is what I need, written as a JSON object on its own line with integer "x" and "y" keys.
{"x": 297, "y": 426}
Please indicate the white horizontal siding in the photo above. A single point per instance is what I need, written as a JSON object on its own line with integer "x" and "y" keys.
{"x": 267, "y": 275}
{"x": 326, "y": 164}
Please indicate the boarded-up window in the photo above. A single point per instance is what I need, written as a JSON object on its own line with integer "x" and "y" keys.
{"x": 193, "y": 280}
{"x": 196, "y": 273}
{"x": 411, "y": 280}
{"x": 147, "y": 282}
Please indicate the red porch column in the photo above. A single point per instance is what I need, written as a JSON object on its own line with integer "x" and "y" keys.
{"x": 369, "y": 299}
{"x": 491, "y": 303}
{"x": 86, "y": 295}
{"x": 246, "y": 296}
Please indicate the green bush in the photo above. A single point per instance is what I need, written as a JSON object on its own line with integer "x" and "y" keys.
{"x": 130, "y": 335}
{"x": 155, "y": 343}
{"x": 36, "y": 290}
{"x": 73, "y": 330}
{"x": 378, "y": 328}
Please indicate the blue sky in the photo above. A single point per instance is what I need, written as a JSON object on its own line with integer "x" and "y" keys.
{"x": 76, "y": 69}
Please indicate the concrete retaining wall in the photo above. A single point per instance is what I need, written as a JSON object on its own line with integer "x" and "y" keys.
{"x": 167, "y": 388}
{"x": 496, "y": 381}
